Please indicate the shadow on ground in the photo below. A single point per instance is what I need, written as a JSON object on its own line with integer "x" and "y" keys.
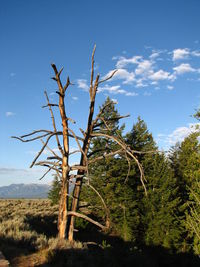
{"x": 98, "y": 250}
{"x": 43, "y": 224}
{"x": 124, "y": 256}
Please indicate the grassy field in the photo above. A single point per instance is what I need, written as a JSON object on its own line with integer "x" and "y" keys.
{"x": 28, "y": 230}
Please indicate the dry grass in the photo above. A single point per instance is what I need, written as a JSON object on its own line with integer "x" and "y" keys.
{"x": 23, "y": 221}
{"x": 28, "y": 230}
{"x": 26, "y": 227}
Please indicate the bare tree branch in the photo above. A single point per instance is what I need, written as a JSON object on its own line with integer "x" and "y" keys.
{"x": 21, "y": 138}
{"x": 51, "y": 150}
{"x": 78, "y": 167}
{"x": 54, "y": 123}
{"x": 50, "y": 168}
{"x": 92, "y": 72}
{"x": 124, "y": 146}
{"x": 108, "y": 78}
{"x": 50, "y": 105}
{"x": 77, "y": 214}
{"x": 105, "y": 156}
{"x": 110, "y": 119}
{"x": 34, "y": 132}
{"x": 103, "y": 202}
{"x": 42, "y": 149}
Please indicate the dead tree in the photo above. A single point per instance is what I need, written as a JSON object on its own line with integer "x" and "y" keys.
{"x": 60, "y": 162}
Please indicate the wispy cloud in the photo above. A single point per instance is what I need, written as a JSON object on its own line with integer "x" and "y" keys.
{"x": 122, "y": 61}
{"x": 184, "y": 53}
{"x": 9, "y": 175}
{"x": 12, "y": 74}
{"x": 170, "y": 87}
{"x": 75, "y": 98}
{"x": 10, "y": 113}
{"x": 183, "y": 68}
{"x": 12, "y": 170}
{"x": 82, "y": 83}
{"x": 161, "y": 75}
{"x": 122, "y": 74}
{"x": 144, "y": 68}
{"x": 180, "y": 53}
{"x": 116, "y": 89}
{"x": 177, "y": 135}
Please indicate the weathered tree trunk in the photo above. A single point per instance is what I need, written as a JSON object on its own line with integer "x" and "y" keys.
{"x": 79, "y": 181}
{"x": 63, "y": 203}
{"x": 85, "y": 147}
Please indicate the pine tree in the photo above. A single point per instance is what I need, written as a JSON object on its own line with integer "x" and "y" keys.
{"x": 161, "y": 206}
{"x": 158, "y": 211}
{"x": 141, "y": 140}
{"x": 54, "y": 192}
{"x": 185, "y": 160}
{"x": 108, "y": 177}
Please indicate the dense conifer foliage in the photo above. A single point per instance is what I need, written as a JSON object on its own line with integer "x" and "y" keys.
{"x": 169, "y": 215}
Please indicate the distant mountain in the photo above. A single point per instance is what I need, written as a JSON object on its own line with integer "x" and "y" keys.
{"x": 25, "y": 191}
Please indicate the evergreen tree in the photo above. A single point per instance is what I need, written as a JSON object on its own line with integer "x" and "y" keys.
{"x": 108, "y": 177}
{"x": 158, "y": 211}
{"x": 193, "y": 217}
{"x": 161, "y": 206}
{"x": 54, "y": 192}
{"x": 185, "y": 160}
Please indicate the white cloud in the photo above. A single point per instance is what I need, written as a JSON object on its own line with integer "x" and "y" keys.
{"x": 154, "y": 82}
{"x": 140, "y": 83}
{"x": 116, "y": 89}
{"x": 131, "y": 94}
{"x": 142, "y": 72}
{"x": 144, "y": 68}
{"x": 196, "y": 53}
{"x": 122, "y": 74}
{"x": 75, "y": 98}
{"x": 180, "y": 53}
{"x": 10, "y": 113}
{"x": 178, "y": 135}
{"x": 122, "y": 61}
{"x": 184, "y": 53}
{"x": 183, "y": 68}
{"x": 82, "y": 83}
{"x": 170, "y": 87}
{"x": 160, "y": 75}
{"x": 154, "y": 55}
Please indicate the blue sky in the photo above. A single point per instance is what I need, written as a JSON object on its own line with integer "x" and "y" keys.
{"x": 155, "y": 45}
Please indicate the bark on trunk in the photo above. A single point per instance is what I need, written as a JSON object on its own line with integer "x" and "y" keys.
{"x": 63, "y": 204}
{"x": 83, "y": 161}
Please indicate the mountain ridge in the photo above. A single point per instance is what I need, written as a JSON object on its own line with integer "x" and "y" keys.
{"x": 21, "y": 190}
